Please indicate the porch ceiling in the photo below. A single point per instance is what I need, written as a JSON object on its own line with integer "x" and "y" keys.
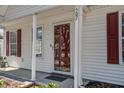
{"x": 10, "y": 12}
{"x": 3, "y": 9}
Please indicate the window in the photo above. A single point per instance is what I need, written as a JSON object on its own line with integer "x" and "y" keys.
{"x": 13, "y": 43}
{"x": 39, "y": 40}
{"x": 1, "y": 40}
{"x": 122, "y": 37}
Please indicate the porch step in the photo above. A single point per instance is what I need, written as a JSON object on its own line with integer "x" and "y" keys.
{"x": 14, "y": 77}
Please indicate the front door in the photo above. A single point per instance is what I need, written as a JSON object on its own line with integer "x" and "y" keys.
{"x": 62, "y": 48}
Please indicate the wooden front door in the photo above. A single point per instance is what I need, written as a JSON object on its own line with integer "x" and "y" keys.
{"x": 62, "y": 47}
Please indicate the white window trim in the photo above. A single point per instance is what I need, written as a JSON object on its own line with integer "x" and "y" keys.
{"x": 42, "y": 41}
{"x": 10, "y": 44}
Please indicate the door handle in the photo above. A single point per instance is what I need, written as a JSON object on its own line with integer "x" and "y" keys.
{"x": 52, "y": 46}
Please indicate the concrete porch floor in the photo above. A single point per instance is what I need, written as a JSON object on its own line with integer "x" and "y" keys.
{"x": 25, "y": 74}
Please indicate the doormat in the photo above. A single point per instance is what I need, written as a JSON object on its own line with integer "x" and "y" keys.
{"x": 56, "y": 78}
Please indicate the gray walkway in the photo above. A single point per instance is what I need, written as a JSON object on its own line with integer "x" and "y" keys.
{"x": 24, "y": 74}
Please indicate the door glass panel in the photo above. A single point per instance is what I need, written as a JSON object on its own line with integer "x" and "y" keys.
{"x": 62, "y": 47}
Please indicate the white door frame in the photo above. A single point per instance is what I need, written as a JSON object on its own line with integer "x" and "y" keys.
{"x": 71, "y": 46}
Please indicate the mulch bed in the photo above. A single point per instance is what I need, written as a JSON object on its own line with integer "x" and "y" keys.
{"x": 10, "y": 83}
{"x": 96, "y": 84}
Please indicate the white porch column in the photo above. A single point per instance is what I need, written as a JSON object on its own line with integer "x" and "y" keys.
{"x": 34, "y": 48}
{"x": 77, "y": 45}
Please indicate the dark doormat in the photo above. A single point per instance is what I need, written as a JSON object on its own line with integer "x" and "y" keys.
{"x": 56, "y": 78}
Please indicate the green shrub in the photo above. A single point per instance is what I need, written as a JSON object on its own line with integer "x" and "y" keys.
{"x": 52, "y": 85}
{"x": 2, "y": 82}
{"x": 49, "y": 85}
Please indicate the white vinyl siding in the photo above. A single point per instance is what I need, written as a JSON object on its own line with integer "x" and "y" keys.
{"x": 46, "y": 62}
{"x": 94, "y": 47}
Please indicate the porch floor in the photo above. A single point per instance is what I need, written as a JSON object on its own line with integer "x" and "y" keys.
{"x": 25, "y": 74}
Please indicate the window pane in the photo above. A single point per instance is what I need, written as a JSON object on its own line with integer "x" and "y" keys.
{"x": 13, "y": 46}
{"x": 12, "y": 37}
{"x": 123, "y": 50}
{"x": 13, "y": 43}
{"x": 39, "y": 33}
{"x": 122, "y": 31}
{"x": 39, "y": 41}
{"x": 122, "y": 24}
{"x": 13, "y": 52}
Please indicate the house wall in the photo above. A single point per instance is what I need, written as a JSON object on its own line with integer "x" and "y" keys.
{"x": 94, "y": 47}
{"x": 94, "y": 50}
{"x": 45, "y": 19}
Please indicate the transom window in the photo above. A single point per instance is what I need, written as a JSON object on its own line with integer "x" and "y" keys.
{"x": 39, "y": 40}
{"x": 13, "y": 43}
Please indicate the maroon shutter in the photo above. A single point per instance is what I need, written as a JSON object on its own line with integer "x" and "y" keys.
{"x": 7, "y": 43}
{"x": 112, "y": 38}
{"x": 19, "y": 43}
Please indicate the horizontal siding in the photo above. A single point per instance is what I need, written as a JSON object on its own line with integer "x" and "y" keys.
{"x": 25, "y": 60}
{"x": 94, "y": 51}
{"x": 46, "y": 62}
